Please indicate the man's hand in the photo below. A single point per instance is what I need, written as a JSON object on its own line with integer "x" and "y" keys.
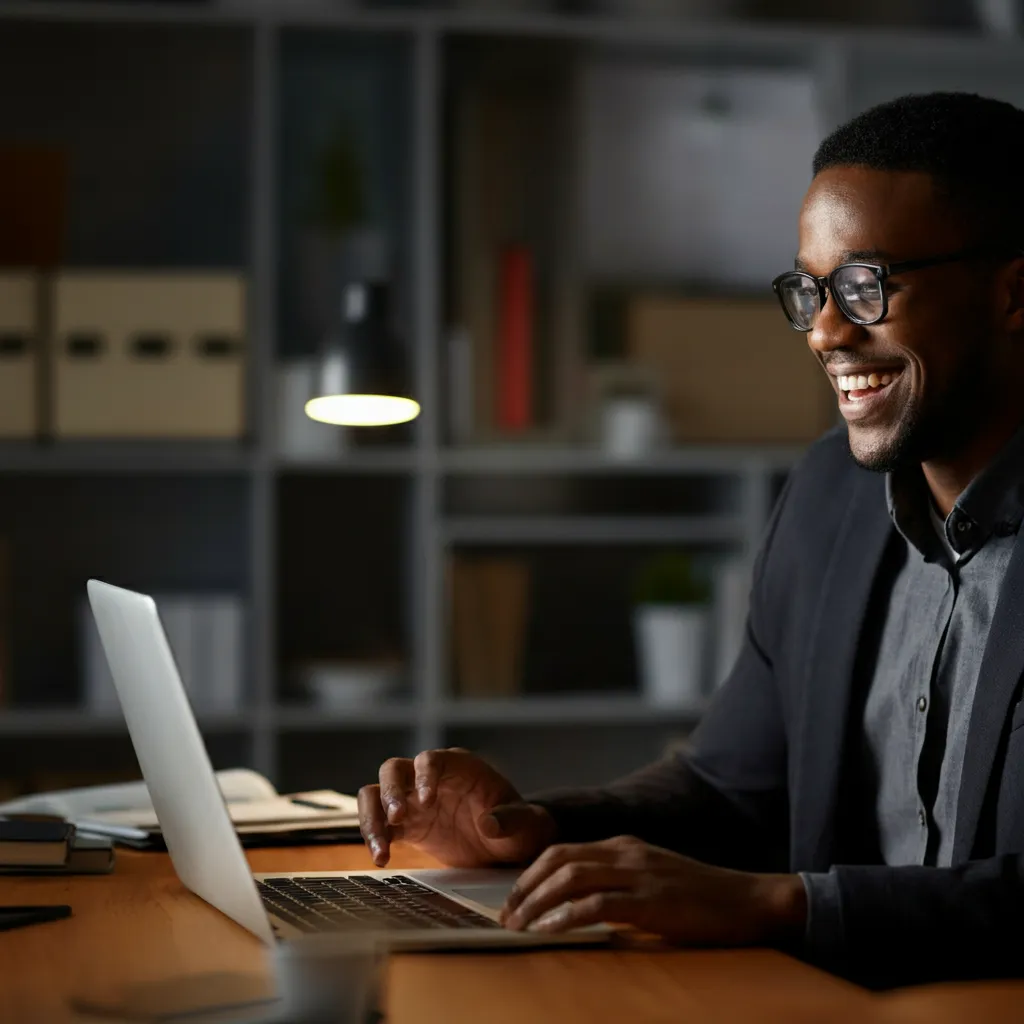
{"x": 626, "y": 881}
{"x": 454, "y": 806}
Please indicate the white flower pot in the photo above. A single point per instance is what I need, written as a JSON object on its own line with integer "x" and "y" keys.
{"x": 671, "y": 643}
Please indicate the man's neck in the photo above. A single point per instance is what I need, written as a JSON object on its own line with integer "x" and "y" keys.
{"x": 948, "y": 478}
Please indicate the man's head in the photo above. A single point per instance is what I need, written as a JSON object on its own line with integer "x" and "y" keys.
{"x": 917, "y": 178}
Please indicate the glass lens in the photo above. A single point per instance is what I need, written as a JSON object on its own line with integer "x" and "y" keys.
{"x": 799, "y": 294}
{"x": 859, "y": 292}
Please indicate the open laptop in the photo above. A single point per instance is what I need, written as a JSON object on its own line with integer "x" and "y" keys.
{"x": 422, "y": 909}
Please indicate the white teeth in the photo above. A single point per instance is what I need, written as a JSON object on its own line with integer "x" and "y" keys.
{"x": 859, "y": 382}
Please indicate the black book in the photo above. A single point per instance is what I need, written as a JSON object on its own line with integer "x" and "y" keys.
{"x": 34, "y": 843}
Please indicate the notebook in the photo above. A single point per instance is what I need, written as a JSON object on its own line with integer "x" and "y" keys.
{"x": 34, "y": 843}
{"x": 87, "y": 855}
{"x": 261, "y": 815}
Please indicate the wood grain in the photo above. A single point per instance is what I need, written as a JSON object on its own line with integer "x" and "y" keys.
{"x": 139, "y": 927}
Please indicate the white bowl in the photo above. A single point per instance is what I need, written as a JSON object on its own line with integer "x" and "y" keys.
{"x": 352, "y": 684}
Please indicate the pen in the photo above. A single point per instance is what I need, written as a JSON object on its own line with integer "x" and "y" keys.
{"x": 313, "y": 804}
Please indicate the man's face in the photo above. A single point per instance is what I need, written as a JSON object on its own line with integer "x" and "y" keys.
{"x": 939, "y": 342}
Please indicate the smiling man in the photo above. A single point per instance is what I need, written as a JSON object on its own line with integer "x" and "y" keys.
{"x": 855, "y": 793}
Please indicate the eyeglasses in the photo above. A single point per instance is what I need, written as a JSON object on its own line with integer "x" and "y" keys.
{"x": 859, "y": 288}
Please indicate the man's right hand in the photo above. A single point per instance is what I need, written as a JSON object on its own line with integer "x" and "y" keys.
{"x": 454, "y": 806}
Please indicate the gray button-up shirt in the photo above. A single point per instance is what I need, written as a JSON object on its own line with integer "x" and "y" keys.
{"x": 933, "y": 625}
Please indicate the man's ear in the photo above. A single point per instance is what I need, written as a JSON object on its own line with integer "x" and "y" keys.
{"x": 1012, "y": 293}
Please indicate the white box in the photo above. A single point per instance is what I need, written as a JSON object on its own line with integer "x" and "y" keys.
{"x": 149, "y": 355}
{"x": 217, "y": 653}
{"x": 693, "y": 174}
{"x": 19, "y": 347}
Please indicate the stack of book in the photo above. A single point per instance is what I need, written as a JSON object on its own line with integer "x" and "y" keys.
{"x": 45, "y": 847}
{"x": 488, "y": 602}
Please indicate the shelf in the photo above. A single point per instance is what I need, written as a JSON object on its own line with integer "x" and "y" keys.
{"x": 491, "y": 459}
{"x": 585, "y": 710}
{"x": 73, "y": 722}
{"x": 789, "y": 38}
{"x": 309, "y": 718}
{"x": 135, "y": 457}
{"x": 593, "y": 530}
{"x": 361, "y": 460}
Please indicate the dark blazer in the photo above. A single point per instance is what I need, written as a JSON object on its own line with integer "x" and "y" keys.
{"x": 762, "y": 785}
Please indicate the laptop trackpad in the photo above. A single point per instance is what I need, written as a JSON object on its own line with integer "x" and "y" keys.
{"x": 492, "y": 896}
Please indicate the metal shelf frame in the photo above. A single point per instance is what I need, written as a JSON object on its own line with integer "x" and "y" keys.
{"x": 829, "y": 53}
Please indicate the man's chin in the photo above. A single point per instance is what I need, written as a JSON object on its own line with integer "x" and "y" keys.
{"x": 878, "y": 450}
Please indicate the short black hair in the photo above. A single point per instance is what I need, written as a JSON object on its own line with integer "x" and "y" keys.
{"x": 972, "y": 146}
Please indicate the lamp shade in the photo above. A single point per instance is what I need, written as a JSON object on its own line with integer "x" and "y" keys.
{"x": 359, "y": 378}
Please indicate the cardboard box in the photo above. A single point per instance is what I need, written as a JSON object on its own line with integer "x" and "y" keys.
{"x": 19, "y": 349}
{"x": 149, "y": 355}
{"x": 731, "y": 370}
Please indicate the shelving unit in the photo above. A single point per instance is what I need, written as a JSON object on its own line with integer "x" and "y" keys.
{"x": 265, "y": 490}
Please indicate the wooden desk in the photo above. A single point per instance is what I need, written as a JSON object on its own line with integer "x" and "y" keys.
{"x": 140, "y": 925}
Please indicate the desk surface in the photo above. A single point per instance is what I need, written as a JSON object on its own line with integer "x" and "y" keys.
{"x": 140, "y": 925}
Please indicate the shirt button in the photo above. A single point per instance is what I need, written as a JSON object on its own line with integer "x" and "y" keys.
{"x": 921, "y": 818}
{"x": 922, "y": 704}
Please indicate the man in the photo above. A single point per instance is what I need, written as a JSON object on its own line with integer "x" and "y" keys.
{"x": 855, "y": 793}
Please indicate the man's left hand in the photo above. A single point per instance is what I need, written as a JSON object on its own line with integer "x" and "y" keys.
{"x": 626, "y": 881}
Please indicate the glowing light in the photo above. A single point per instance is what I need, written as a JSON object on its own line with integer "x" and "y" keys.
{"x": 362, "y": 410}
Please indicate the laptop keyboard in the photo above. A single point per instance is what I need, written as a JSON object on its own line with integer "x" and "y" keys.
{"x": 359, "y": 902}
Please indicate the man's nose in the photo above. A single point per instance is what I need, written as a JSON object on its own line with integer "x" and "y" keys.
{"x": 832, "y": 330}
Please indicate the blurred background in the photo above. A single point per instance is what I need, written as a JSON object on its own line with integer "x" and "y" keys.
{"x": 570, "y": 213}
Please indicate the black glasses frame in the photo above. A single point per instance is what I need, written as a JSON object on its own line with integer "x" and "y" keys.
{"x": 825, "y": 285}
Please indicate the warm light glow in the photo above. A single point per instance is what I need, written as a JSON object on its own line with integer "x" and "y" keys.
{"x": 362, "y": 410}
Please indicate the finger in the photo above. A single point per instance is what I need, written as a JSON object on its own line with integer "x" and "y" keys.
{"x": 598, "y": 908}
{"x": 373, "y": 824}
{"x": 551, "y": 860}
{"x": 571, "y": 881}
{"x": 430, "y": 767}
{"x": 396, "y": 775}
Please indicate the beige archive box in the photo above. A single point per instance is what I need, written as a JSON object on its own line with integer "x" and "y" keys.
{"x": 731, "y": 370}
{"x": 19, "y": 347}
{"x": 148, "y": 355}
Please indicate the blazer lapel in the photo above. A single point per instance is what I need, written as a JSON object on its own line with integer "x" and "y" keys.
{"x": 836, "y": 631}
{"x": 1000, "y": 672}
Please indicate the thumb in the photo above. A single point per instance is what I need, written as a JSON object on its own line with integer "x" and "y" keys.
{"x": 513, "y": 821}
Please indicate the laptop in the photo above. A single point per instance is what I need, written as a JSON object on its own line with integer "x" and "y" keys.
{"x": 421, "y": 909}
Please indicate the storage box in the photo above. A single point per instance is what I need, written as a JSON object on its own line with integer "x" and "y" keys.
{"x": 149, "y": 355}
{"x": 731, "y": 370}
{"x": 19, "y": 348}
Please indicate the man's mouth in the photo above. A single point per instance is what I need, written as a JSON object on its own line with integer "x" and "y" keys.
{"x": 865, "y": 396}
{"x": 858, "y": 387}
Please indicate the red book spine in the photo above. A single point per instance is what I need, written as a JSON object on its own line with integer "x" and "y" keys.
{"x": 515, "y": 339}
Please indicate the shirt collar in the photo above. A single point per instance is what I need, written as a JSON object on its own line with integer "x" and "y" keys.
{"x": 993, "y": 502}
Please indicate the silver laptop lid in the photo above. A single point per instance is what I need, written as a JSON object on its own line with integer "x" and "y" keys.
{"x": 194, "y": 819}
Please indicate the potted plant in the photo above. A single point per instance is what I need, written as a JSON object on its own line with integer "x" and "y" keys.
{"x": 338, "y": 242}
{"x": 672, "y": 612}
